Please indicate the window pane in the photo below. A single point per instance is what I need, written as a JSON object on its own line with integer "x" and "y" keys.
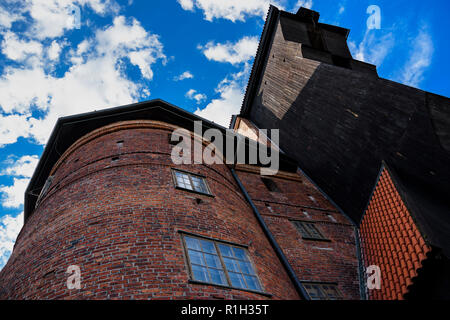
{"x": 331, "y": 291}
{"x": 322, "y": 295}
{"x": 191, "y": 182}
{"x": 312, "y": 291}
{"x": 192, "y": 243}
{"x": 208, "y": 246}
{"x": 313, "y": 230}
{"x": 231, "y": 264}
{"x": 246, "y": 267}
{"x": 225, "y": 250}
{"x": 317, "y": 291}
{"x": 187, "y": 183}
{"x": 218, "y": 276}
{"x": 199, "y": 184}
{"x": 236, "y": 280}
{"x": 239, "y": 253}
{"x": 302, "y": 229}
{"x": 252, "y": 283}
{"x": 213, "y": 261}
{"x": 196, "y": 257}
{"x": 200, "y": 273}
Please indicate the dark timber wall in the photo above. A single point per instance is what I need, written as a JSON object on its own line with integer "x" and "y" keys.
{"x": 340, "y": 122}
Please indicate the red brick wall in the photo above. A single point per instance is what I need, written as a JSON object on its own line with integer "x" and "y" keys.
{"x": 312, "y": 260}
{"x": 119, "y": 221}
{"x": 390, "y": 239}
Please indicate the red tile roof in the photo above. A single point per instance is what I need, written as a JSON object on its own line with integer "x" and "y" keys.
{"x": 391, "y": 240}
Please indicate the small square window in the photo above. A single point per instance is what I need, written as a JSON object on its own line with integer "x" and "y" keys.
{"x": 220, "y": 263}
{"x": 308, "y": 230}
{"x": 189, "y": 181}
{"x": 270, "y": 185}
{"x": 322, "y": 291}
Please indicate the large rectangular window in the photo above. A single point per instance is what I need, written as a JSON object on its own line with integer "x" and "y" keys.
{"x": 220, "y": 263}
{"x": 189, "y": 181}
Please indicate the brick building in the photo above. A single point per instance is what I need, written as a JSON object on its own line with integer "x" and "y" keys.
{"x": 107, "y": 197}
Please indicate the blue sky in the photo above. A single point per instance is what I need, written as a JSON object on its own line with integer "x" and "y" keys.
{"x": 61, "y": 57}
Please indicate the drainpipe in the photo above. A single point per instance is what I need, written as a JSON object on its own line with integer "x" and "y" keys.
{"x": 297, "y": 284}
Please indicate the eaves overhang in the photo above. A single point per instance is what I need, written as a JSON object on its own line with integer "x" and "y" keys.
{"x": 71, "y": 128}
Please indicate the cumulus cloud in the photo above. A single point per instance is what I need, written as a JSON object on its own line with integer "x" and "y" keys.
{"x": 94, "y": 80}
{"x": 232, "y": 88}
{"x": 54, "y": 50}
{"x": 9, "y": 229}
{"x": 17, "y": 49}
{"x": 12, "y": 127}
{"x": 22, "y": 167}
{"x": 303, "y": 3}
{"x": 51, "y": 18}
{"x": 13, "y": 196}
{"x": 184, "y": 75}
{"x": 220, "y": 110}
{"x": 233, "y": 10}
{"x": 194, "y": 95}
{"x": 187, "y": 5}
{"x": 234, "y": 53}
{"x": 7, "y": 18}
{"x": 419, "y": 60}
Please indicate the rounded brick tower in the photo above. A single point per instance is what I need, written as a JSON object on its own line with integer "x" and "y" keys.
{"x": 113, "y": 204}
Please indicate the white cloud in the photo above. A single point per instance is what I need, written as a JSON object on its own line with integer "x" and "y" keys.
{"x": 9, "y": 229}
{"x": 7, "y": 18}
{"x": 234, "y": 53}
{"x": 54, "y": 50}
{"x": 184, "y": 75}
{"x": 22, "y": 167}
{"x": 341, "y": 9}
{"x": 221, "y": 109}
{"x": 12, "y": 127}
{"x": 193, "y": 95}
{"x": 95, "y": 80}
{"x": 231, "y": 92}
{"x": 233, "y": 10}
{"x": 419, "y": 60}
{"x": 13, "y": 195}
{"x": 231, "y": 89}
{"x": 186, "y": 4}
{"x": 51, "y": 18}
{"x": 303, "y": 3}
{"x": 19, "y": 50}
{"x": 374, "y": 47}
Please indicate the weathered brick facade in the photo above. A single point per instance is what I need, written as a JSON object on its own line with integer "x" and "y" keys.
{"x": 332, "y": 261}
{"x": 120, "y": 221}
{"x": 113, "y": 210}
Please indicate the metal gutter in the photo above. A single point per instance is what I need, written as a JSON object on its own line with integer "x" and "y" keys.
{"x": 296, "y": 282}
